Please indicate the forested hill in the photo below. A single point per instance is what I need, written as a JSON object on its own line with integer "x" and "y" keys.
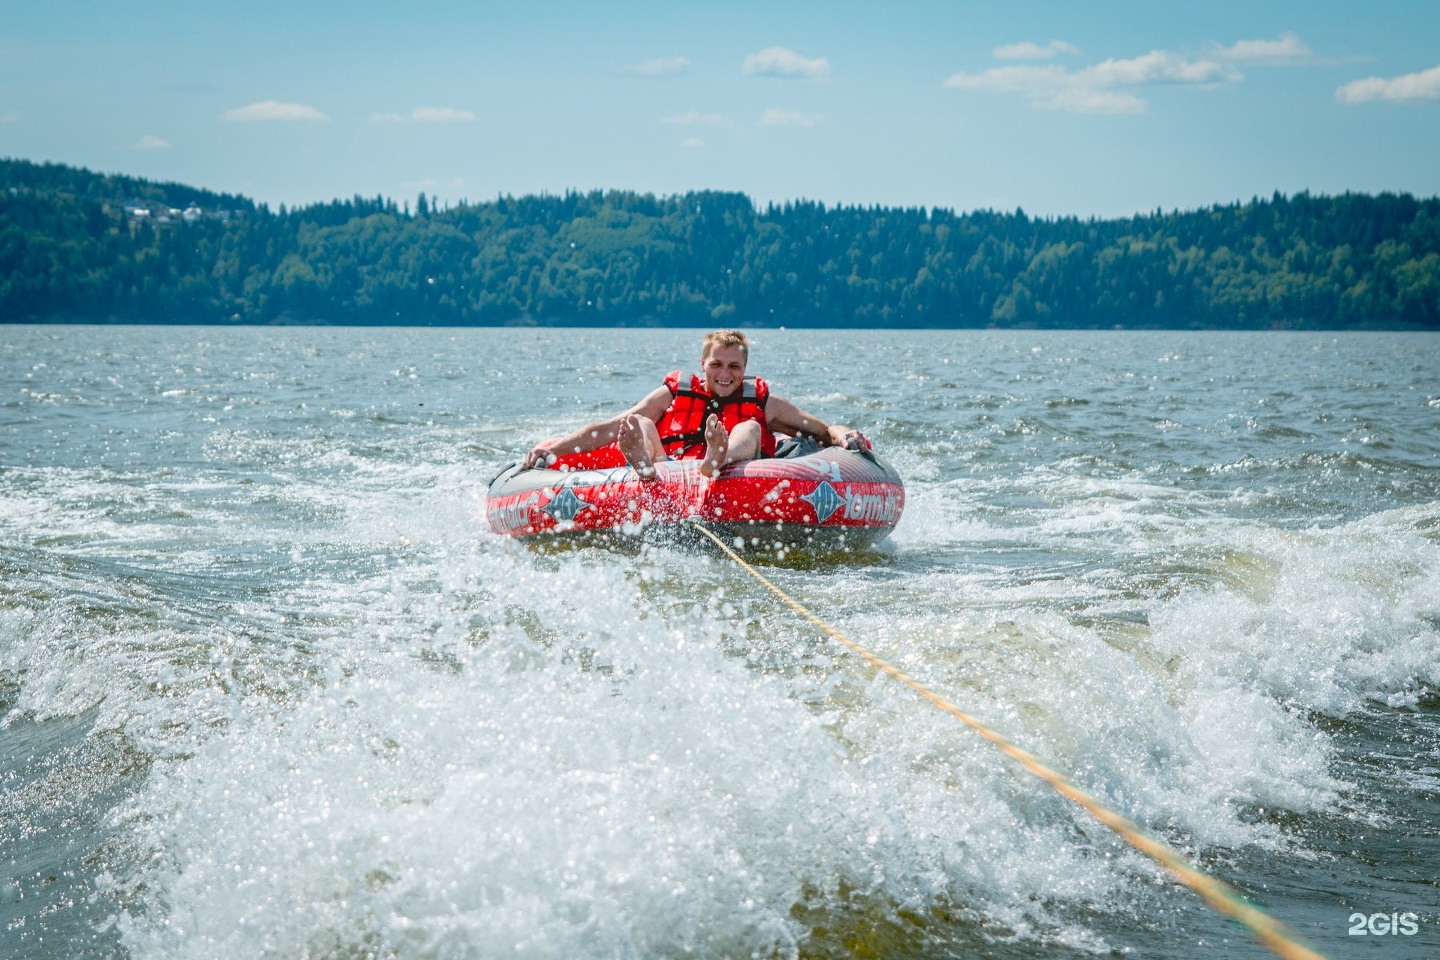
{"x": 75, "y": 245}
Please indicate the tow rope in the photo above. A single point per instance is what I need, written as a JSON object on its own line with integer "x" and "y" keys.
{"x": 1217, "y": 893}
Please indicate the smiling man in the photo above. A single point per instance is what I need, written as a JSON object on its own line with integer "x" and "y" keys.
{"x": 718, "y": 416}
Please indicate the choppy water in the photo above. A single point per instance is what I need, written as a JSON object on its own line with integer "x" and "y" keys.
{"x": 271, "y": 688}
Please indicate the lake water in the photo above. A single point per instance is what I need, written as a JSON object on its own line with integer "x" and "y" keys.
{"x": 270, "y": 687}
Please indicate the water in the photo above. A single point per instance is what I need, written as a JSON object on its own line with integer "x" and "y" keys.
{"x": 271, "y": 688}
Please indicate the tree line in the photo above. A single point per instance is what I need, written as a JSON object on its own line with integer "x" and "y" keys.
{"x": 75, "y": 245}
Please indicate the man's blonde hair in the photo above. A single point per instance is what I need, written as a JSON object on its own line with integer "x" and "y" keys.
{"x": 724, "y": 338}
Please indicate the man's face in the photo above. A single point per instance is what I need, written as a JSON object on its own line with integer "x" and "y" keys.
{"x": 724, "y": 369}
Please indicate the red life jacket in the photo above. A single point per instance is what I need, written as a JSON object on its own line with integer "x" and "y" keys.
{"x": 682, "y": 425}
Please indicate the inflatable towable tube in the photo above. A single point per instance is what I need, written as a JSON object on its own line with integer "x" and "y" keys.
{"x": 831, "y": 499}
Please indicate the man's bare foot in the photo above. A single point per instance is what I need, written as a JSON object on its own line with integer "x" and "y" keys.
{"x": 717, "y": 444}
{"x": 631, "y": 441}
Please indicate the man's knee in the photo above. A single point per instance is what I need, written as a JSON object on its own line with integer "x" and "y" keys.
{"x": 745, "y": 441}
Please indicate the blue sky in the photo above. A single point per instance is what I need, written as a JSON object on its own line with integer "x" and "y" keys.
{"x": 1087, "y": 108}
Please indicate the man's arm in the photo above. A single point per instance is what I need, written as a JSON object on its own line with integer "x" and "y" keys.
{"x": 596, "y": 435}
{"x": 784, "y": 417}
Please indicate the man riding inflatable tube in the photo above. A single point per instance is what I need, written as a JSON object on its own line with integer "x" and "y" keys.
{"x": 740, "y": 418}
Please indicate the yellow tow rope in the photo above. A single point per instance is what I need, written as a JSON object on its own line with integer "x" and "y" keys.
{"x": 1219, "y": 894}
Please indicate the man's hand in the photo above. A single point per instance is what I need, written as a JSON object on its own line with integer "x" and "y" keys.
{"x": 848, "y": 438}
{"x": 540, "y": 455}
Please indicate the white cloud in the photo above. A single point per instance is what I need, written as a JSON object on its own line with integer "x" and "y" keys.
{"x": 1157, "y": 66}
{"x": 1011, "y": 79}
{"x": 426, "y": 115}
{"x": 12, "y": 116}
{"x": 1079, "y": 99}
{"x": 660, "y": 67}
{"x": 1033, "y": 51}
{"x": 777, "y": 117}
{"x": 1424, "y": 85}
{"x": 1099, "y": 88}
{"x": 784, "y": 62}
{"x": 272, "y": 110}
{"x": 692, "y": 118}
{"x": 441, "y": 115}
{"x": 152, "y": 142}
{"x": 692, "y": 143}
{"x": 1287, "y": 48}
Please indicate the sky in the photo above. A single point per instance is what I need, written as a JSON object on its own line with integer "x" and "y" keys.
{"x": 1094, "y": 108}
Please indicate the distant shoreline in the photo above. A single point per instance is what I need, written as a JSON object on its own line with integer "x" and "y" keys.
{"x": 81, "y": 247}
{"x": 292, "y": 325}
